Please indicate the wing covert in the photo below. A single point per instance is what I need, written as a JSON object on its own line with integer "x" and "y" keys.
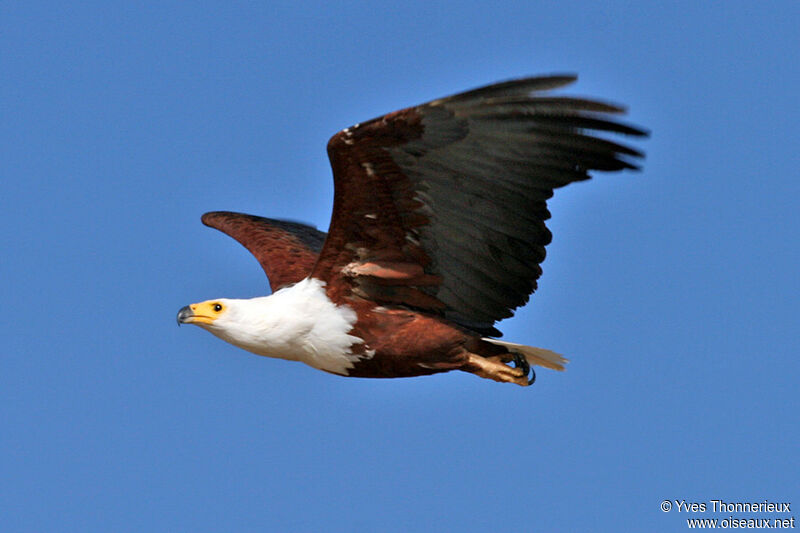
{"x": 286, "y": 250}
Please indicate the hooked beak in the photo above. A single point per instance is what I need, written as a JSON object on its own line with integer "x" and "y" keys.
{"x": 185, "y": 315}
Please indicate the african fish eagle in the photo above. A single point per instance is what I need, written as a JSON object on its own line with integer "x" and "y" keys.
{"x": 437, "y": 232}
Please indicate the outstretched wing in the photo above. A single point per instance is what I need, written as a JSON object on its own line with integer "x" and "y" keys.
{"x": 286, "y": 250}
{"x": 441, "y": 207}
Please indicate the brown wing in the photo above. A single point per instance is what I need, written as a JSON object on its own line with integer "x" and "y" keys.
{"x": 286, "y": 250}
{"x": 441, "y": 207}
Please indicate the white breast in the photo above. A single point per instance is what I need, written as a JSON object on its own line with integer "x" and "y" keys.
{"x": 299, "y": 323}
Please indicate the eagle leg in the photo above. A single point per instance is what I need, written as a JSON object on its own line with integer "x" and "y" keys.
{"x": 494, "y": 368}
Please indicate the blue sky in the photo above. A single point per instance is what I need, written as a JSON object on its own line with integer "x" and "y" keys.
{"x": 673, "y": 291}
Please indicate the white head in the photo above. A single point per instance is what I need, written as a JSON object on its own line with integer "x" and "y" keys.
{"x": 298, "y": 322}
{"x": 244, "y": 323}
{"x": 226, "y": 318}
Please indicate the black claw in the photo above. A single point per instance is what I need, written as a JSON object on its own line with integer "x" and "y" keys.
{"x": 521, "y": 362}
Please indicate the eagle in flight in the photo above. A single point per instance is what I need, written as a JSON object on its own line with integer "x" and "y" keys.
{"x": 438, "y": 231}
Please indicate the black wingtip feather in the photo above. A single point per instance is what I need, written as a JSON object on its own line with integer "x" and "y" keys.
{"x": 511, "y": 88}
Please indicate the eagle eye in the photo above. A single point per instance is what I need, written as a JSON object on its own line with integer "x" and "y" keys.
{"x": 217, "y": 308}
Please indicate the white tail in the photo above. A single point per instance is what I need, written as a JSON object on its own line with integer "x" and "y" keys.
{"x": 535, "y": 356}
